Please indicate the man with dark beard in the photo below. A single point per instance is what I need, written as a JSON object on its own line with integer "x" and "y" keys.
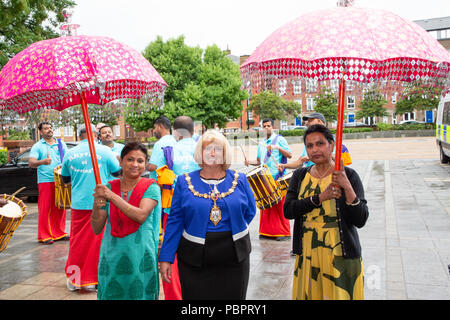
{"x": 45, "y": 155}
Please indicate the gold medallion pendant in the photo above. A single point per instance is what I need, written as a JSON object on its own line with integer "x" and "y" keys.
{"x": 215, "y": 215}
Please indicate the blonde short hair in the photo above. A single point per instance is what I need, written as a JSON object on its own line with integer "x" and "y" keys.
{"x": 207, "y": 138}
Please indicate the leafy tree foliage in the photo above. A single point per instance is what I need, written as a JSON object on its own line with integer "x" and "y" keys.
{"x": 23, "y": 22}
{"x": 203, "y": 84}
{"x": 268, "y": 105}
{"x": 418, "y": 96}
{"x": 372, "y": 104}
{"x": 327, "y": 104}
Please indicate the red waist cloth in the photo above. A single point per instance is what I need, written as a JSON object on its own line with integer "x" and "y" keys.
{"x": 121, "y": 225}
{"x": 84, "y": 250}
{"x": 273, "y": 223}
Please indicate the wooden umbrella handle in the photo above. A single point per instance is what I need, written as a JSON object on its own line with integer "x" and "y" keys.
{"x": 90, "y": 138}
{"x": 340, "y": 125}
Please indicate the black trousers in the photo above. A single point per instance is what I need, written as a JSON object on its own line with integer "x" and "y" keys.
{"x": 220, "y": 277}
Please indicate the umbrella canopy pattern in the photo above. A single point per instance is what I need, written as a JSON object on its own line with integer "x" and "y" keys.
{"x": 353, "y": 43}
{"x": 52, "y": 74}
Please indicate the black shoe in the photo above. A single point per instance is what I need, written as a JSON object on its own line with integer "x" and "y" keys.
{"x": 65, "y": 238}
{"x": 49, "y": 241}
{"x": 283, "y": 238}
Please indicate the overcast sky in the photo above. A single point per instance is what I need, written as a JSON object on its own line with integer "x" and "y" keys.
{"x": 239, "y": 24}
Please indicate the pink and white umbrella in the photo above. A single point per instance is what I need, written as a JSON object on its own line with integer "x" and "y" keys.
{"x": 348, "y": 43}
{"x": 66, "y": 71}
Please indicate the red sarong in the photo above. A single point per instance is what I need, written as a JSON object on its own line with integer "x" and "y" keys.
{"x": 51, "y": 220}
{"x": 172, "y": 290}
{"x": 273, "y": 223}
{"x": 84, "y": 250}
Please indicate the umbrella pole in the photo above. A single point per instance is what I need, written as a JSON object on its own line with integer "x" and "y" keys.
{"x": 90, "y": 138}
{"x": 340, "y": 125}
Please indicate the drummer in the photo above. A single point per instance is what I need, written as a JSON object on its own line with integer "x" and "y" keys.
{"x": 303, "y": 160}
{"x": 273, "y": 150}
{"x": 45, "y": 155}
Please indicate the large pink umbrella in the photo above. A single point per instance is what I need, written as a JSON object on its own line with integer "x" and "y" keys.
{"x": 66, "y": 71}
{"x": 348, "y": 43}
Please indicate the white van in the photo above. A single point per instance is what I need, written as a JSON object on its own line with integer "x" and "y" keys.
{"x": 443, "y": 129}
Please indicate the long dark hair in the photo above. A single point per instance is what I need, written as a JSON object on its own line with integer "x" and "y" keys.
{"x": 321, "y": 129}
{"x": 131, "y": 146}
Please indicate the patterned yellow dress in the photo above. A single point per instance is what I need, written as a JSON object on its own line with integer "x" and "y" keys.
{"x": 321, "y": 272}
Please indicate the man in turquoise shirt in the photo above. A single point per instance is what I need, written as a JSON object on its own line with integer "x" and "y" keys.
{"x": 84, "y": 248}
{"x": 45, "y": 155}
{"x": 272, "y": 223}
{"x": 161, "y": 130}
{"x": 183, "y": 152}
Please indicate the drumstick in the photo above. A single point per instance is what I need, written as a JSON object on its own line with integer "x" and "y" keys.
{"x": 242, "y": 149}
{"x": 21, "y": 189}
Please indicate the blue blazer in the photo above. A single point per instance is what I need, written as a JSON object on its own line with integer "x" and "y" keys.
{"x": 189, "y": 216}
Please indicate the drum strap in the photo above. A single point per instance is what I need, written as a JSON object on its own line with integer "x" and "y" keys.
{"x": 61, "y": 150}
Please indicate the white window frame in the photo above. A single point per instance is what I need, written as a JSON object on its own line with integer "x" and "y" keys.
{"x": 351, "y": 103}
{"x": 282, "y": 89}
{"x": 297, "y": 87}
{"x": 310, "y": 104}
{"x": 311, "y": 85}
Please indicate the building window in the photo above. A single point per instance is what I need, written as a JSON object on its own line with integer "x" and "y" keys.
{"x": 334, "y": 85}
{"x": 116, "y": 131}
{"x": 310, "y": 103}
{"x": 394, "y": 98}
{"x": 350, "y": 85}
{"x": 311, "y": 85}
{"x": 282, "y": 87}
{"x": 68, "y": 131}
{"x": 350, "y": 102}
{"x": 250, "y": 115}
{"x": 409, "y": 116}
{"x": 297, "y": 84}
{"x": 299, "y": 101}
{"x": 57, "y": 132}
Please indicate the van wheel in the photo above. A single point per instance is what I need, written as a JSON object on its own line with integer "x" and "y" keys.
{"x": 443, "y": 157}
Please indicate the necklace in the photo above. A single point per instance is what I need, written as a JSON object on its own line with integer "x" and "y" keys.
{"x": 215, "y": 215}
{"x": 322, "y": 175}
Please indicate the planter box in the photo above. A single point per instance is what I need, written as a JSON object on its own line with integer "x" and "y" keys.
{"x": 16, "y": 144}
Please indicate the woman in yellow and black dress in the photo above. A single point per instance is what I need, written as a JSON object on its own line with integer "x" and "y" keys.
{"x": 327, "y": 206}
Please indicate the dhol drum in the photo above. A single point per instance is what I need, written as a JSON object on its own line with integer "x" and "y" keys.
{"x": 63, "y": 191}
{"x": 283, "y": 182}
{"x": 266, "y": 190}
{"x": 11, "y": 216}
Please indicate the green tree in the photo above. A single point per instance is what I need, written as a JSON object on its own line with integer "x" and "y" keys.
{"x": 327, "y": 104}
{"x": 23, "y": 22}
{"x": 268, "y": 105}
{"x": 203, "y": 84}
{"x": 418, "y": 96}
{"x": 372, "y": 105}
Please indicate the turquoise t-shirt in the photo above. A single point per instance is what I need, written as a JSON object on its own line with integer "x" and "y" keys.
{"x": 77, "y": 165}
{"x": 262, "y": 151}
{"x": 157, "y": 157}
{"x": 117, "y": 148}
{"x": 42, "y": 150}
{"x": 183, "y": 157}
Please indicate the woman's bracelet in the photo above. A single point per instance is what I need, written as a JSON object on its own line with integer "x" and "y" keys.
{"x": 354, "y": 203}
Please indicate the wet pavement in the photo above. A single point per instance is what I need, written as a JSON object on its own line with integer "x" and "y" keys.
{"x": 405, "y": 243}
